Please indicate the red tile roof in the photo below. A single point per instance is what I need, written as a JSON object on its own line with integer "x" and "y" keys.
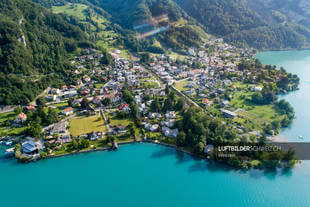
{"x": 68, "y": 109}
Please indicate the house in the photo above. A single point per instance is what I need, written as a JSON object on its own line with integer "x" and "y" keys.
{"x": 228, "y": 114}
{"x": 118, "y": 130}
{"x": 55, "y": 91}
{"x": 113, "y": 97}
{"x": 76, "y": 102}
{"x": 96, "y": 136}
{"x": 151, "y": 127}
{"x": 149, "y": 102}
{"x": 208, "y": 149}
{"x": 66, "y": 139}
{"x": 21, "y": 118}
{"x": 30, "y": 147}
{"x": 170, "y": 115}
{"x": 51, "y": 98}
{"x": 121, "y": 129}
{"x": 170, "y": 132}
{"x": 67, "y": 111}
{"x": 225, "y": 103}
{"x": 68, "y": 94}
{"x": 85, "y": 92}
{"x": 58, "y": 128}
{"x": 154, "y": 115}
{"x": 169, "y": 123}
{"x": 31, "y": 108}
{"x": 124, "y": 107}
{"x": 138, "y": 99}
{"x": 97, "y": 100}
{"x": 190, "y": 85}
{"x": 191, "y": 52}
{"x": 154, "y": 128}
{"x": 207, "y": 102}
{"x": 142, "y": 108}
{"x": 86, "y": 78}
{"x": 256, "y": 89}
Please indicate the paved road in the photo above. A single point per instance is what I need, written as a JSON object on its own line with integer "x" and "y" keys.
{"x": 189, "y": 100}
{"x": 6, "y": 109}
{"x": 106, "y": 121}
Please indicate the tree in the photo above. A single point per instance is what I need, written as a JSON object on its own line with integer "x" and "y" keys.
{"x": 181, "y": 139}
{"x": 52, "y": 116}
{"x": 257, "y": 98}
{"x": 132, "y": 130}
{"x": 18, "y": 110}
{"x": 40, "y": 102}
{"x": 168, "y": 105}
{"x": 107, "y": 58}
{"x": 34, "y": 129}
{"x": 83, "y": 143}
{"x": 199, "y": 147}
{"x": 84, "y": 103}
{"x": 106, "y": 101}
{"x": 75, "y": 144}
{"x": 145, "y": 57}
{"x": 180, "y": 105}
{"x": 70, "y": 101}
{"x": 155, "y": 105}
{"x": 134, "y": 110}
{"x": 121, "y": 114}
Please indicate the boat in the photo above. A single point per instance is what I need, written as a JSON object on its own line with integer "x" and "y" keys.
{"x": 8, "y": 143}
{"x": 9, "y": 152}
{"x": 300, "y": 137}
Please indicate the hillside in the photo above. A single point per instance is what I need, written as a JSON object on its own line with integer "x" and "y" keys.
{"x": 296, "y": 11}
{"x": 34, "y": 49}
{"x": 247, "y": 23}
{"x": 238, "y": 23}
{"x": 178, "y": 31}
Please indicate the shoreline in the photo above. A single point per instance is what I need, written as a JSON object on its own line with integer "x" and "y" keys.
{"x": 278, "y": 138}
{"x": 124, "y": 143}
{"x": 283, "y": 50}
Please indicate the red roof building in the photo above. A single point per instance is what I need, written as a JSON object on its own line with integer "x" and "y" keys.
{"x": 30, "y": 107}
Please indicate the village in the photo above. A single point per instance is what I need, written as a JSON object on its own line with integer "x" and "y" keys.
{"x": 99, "y": 110}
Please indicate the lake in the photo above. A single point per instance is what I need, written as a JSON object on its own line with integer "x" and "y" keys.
{"x": 151, "y": 175}
{"x": 296, "y": 62}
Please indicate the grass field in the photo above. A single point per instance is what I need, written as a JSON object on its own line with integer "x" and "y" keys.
{"x": 149, "y": 84}
{"x": 115, "y": 121}
{"x": 265, "y": 112}
{"x": 258, "y": 122}
{"x": 5, "y": 131}
{"x": 5, "y": 116}
{"x": 76, "y": 10}
{"x": 62, "y": 104}
{"x": 99, "y": 85}
{"x": 181, "y": 85}
{"x": 83, "y": 125}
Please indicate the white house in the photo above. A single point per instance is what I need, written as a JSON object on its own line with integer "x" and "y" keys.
{"x": 170, "y": 132}
{"x": 67, "y": 111}
{"x": 170, "y": 115}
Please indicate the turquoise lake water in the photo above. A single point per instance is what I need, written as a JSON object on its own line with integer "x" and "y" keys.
{"x": 147, "y": 175}
{"x": 296, "y": 62}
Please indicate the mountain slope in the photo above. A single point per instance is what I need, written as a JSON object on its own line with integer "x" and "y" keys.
{"x": 296, "y": 11}
{"x": 237, "y": 23}
{"x": 34, "y": 48}
{"x": 183, "y": 31}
